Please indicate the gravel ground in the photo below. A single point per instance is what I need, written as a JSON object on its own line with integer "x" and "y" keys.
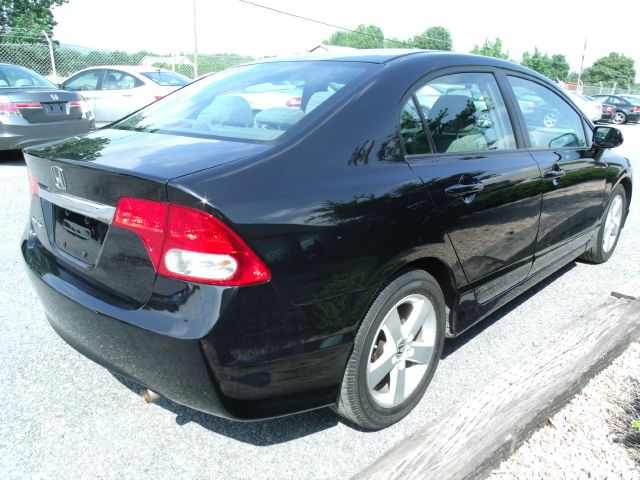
{"x": 62, "y": 416}
{"x": 580, "y": 441}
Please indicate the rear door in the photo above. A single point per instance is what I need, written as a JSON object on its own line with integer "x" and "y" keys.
{"x": 487, "y": 191}
{"x": 573, "y": 181}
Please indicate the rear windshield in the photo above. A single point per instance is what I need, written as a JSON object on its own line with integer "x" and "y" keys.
{"x": 632, "y": 100}
{"x": 167, "y": 79}
{"x": 252, "y": 102}
{"x": 12, "y": 76}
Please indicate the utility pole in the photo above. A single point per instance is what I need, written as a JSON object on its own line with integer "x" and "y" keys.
{"x": 582, "y": 62}
{"x": 195, "y": 43}
{"x": 53, "y": 60}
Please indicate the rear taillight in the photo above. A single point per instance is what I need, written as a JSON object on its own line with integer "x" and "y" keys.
{"x": 190, "y": 244}
{"x": 635, "y": 109}
{"x": 83, "y": 104}
{"x": 295, "y": 102}
{"x": 33, "y": 182}
{"x": 158, "y": 97}
{"x": 7, "y": 107}
{"x": 28, "y": 105}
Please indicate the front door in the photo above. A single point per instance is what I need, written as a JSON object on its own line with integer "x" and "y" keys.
{"x": 487, "y": 191}
{"x": 574, "y": 182}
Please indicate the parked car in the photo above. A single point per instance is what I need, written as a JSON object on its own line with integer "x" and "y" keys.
{"x": 627, "y": 110}
{"x": 116, "y": 91}
{"x": 33, "y": 110}
{"x": 592, "y": 108}
{"x": 255, "y": 265}
{"x": 608, "y": 111}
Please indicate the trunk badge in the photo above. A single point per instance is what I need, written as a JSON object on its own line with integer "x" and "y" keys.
{"x": 58, "y": 178}
{"x": 54, "y": 97}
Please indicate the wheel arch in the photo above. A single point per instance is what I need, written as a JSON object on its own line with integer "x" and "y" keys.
{"x": 628, "y": 188}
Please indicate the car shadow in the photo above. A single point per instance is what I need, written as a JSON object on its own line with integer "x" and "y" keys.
{"x": 453, "y": 344}
{"x": 260, "y": 433}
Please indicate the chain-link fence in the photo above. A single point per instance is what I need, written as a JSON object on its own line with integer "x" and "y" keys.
{"x": 599, "y": 89}
{"x": 58, "y": 62}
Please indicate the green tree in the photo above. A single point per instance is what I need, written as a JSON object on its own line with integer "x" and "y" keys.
{"x": 433, "y": 38}
{"x": 615, "y": 67}
{"x": 491, "y": 49}
{"x": 554, "y": 67}
{"x": 28, "y": 15}
{"x": 364, "y": 36}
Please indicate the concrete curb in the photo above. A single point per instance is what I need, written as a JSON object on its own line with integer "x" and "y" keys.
{"x": 485, "y": 429}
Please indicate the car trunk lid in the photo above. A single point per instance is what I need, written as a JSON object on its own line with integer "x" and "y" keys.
{"x": 46, "y": 105}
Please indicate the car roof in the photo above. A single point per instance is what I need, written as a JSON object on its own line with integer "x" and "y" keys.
{"x": 127, "y": 68}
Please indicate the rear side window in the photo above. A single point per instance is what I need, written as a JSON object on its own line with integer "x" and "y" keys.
{"x": 465, "y": 112}
{"x": 550, "y": 121}
{"x": 253, "y": 102}
{"x": 116, "y": 80}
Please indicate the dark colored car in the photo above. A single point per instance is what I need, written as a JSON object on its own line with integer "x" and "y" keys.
{"x": 627, "y": 108}
{"x": 252, "y": 265}
{"x": 608, "y": 112}
{"x": 33, "y": 110}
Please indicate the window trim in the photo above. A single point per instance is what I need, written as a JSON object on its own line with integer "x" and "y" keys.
{"x": 441, "y": 72}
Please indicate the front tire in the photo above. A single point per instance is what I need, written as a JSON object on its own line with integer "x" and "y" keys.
{"x": 395, "y": 353}
{"x": 609, "y": 231}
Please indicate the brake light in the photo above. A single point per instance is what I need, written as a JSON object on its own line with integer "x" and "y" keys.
{"x": 190, "y": 244}
{"x": 295, "y": 102}
{"x": 635, "y": 109}
{"x": 83, "y": 104}
{"x": 28, "y": 105}
{"x": 7, "y": 107}
{"x": 158, "y": 97}
{"x": 33, "y": 182}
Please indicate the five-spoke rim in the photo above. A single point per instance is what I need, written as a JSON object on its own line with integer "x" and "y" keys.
{"x": 550, "y": 119}
{"x": 618, "y": 117}
{"x": 402, "y": 350}
{"x": 612, "y": 223}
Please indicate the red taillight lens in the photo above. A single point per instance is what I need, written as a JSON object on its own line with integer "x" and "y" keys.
{"x": 190, "y": 244}
{"x": 9, "y": 109}
{"x": 294, "y": 102}
{"x": 28, "y": 105}
{"x": 635, "y": 109}
{"x": 33, "y": 182}
{"x": 148, "y": 219}
{"x": 83, "y": 104}
{"x": 158, "y": 97}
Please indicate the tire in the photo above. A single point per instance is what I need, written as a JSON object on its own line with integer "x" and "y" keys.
{"x": 411, "y": 356}
{"x": 550, "y": 119}
{"x": 609, "y": 231}
{"x": 619, "y": 118}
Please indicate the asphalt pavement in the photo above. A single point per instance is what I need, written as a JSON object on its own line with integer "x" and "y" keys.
{"x": 62, "y": 416}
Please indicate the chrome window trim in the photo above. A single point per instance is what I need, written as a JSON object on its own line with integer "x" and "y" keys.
{"x": 99, "y": 211}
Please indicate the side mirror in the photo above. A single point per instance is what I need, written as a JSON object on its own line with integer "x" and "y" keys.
{"x": 607, "y": 137}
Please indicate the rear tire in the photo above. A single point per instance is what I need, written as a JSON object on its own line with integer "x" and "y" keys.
{"x": 395, "y": 353}
{"x": 619, "y": 118}
{"x": 609, "y": 231}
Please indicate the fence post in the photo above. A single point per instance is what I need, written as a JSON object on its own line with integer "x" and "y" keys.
{"x": 53, "y": 60}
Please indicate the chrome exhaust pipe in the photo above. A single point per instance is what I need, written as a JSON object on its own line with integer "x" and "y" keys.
{"x": 149, "y": 396}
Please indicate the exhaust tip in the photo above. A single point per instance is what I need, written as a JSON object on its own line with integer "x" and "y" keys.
{"x": 149, "y": 396}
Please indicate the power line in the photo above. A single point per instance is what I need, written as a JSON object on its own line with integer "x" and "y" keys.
{"x": 331, "y": 25}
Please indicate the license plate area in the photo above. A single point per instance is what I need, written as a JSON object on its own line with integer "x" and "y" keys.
{"x": 77, "y": 235}
{"x": 55, "y": 108}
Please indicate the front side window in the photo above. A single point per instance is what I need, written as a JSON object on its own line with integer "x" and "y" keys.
{"x": 550, "y": 121}
{"x": 465, "y": 112}
{"x": 414, "y": 137}
{"x": 84, "y": 82}
{"x": 253, "y": 102}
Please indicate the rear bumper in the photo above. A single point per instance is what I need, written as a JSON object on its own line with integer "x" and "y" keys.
{"x": 18, "y": 133}
{"x": 236, "y": 370}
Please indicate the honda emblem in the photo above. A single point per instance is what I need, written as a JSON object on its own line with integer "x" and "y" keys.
{"x": 54, "y": 97}
{"x": 58, "y": 178}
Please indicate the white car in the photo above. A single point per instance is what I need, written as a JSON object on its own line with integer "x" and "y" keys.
{"x": 591, "y": 108}
{"x": 117, "y": 90}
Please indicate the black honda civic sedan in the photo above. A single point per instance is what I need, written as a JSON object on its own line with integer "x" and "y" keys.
{"x": 250, "y": 257}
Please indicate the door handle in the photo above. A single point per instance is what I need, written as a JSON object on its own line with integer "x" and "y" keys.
{"x": 554, "y": 172}
{"x": 463, "y": 189}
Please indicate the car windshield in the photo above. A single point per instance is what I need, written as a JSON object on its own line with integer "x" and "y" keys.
{"x": 167, "y": 79}
{"x": 12, "y": 76}
{"x": 253, "y": 102}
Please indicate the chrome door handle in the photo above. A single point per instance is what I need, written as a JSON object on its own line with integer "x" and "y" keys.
{"x": 463, "y": 189}
{"x": 554, "y": 172}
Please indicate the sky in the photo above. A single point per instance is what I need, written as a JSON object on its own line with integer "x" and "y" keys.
{"x": 230, "y": 26}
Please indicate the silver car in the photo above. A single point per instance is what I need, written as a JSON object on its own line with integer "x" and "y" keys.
{"x": 117, "y": 90}
{"x": 33, "y": 110}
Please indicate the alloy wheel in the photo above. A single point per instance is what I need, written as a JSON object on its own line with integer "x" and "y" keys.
{"x": 402, "y": 350}
{"x": 612, "y": 224}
